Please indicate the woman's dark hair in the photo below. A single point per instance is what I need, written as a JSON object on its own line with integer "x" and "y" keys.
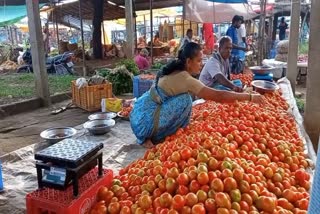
{"x": 189, "y": 51}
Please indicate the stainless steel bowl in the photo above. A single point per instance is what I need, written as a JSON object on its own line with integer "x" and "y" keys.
{"x": 262, "y": 86}
{"x": 102, "y": 116}
{"x": 262, "y": 70}
{"x": 55, "y": 135}
{"x": 99, "y": 127}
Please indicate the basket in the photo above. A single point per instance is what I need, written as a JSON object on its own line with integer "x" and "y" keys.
{"x": 89, "y": 97}
{"x": 141, "y": 86}
{"x": 63, "y": 202}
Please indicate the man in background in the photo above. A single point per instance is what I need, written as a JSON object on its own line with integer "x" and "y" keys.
{"x": 237, "y": 65}
{"x": 186, "y": 39}
{"x": 282, "y": 29}
{"x": 242, "y": 35}
{"x": 216, "y": 72}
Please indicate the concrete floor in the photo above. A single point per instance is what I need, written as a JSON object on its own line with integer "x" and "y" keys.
{"x": 23, "y": 129}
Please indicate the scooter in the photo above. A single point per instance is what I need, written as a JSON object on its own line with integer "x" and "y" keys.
{"x": 61, "y": 64}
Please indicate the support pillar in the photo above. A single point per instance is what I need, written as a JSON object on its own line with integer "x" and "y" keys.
{"x": 293, "y": 43}
{"x": 96, "y": 35}
{"x": 84, "y": 67}
{"x": 129, "y": 29}
{"x": 151, "y": 30}
{"x": 312, "y": 114}
{"x": 37, "y": 51}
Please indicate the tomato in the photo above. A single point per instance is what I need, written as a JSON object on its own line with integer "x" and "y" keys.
{"x": 185, "y": 154}
{"x": 125, "y": 210}
{"x": 182, "y": 190}
{"x": 229, "y": 184}
{"x": 194, "y": 186}
{"x": 183, "y": 179}
{"x": 191, "y": 199}
{"x": 165, "y": 200}
{"x": 222, "y": 200}
{"x": 267, "y": 204}
{"x": 202, "y": 196}
{"x": 217, "y": 185}
{"x": 145, "y": 202}
{"x": 171, "y": 185}
{"x": 103, "y": 194}
{"x": 175, "y": 157}
{"x": 235, "y": 195}
{"x": 303, "y": 204}
{"x": 178, "y": 202}
{"x": 203, "y": 178}
{"x": 198, "y": 209}
{"x": 185, "y": 210}
{"x": 210, "y": 204}
{"x": 113, "y": 208}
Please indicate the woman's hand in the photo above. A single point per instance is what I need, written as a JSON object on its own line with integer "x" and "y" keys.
{"x": 257, "y": 98}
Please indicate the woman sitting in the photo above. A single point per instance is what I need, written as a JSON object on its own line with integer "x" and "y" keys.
{"x": 167, "y": 106}
{"x": 141, "y": 60}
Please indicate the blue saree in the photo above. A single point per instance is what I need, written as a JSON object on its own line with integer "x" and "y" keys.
{"x": 156, "y": 115}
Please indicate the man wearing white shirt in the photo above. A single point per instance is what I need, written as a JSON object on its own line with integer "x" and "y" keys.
{"x": 216, "y": 72}
{"x": 242, "y": 34}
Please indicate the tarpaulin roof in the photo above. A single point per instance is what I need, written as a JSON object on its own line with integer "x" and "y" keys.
{"x": 203, "y": 11}
{"x": 229, "y": 1}
{"x": 10, "y": 15}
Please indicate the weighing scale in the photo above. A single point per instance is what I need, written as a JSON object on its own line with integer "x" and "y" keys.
{"x": 267, "y": 77}
{"x": 66, "y": 161}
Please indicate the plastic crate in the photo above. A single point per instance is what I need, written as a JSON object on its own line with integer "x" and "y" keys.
{"x": 89, "y": 97}
{"x": 53, "y": 201}
{"x": 141, "y": 86}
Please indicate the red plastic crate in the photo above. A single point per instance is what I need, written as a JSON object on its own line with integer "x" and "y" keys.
{"x": 51, "y": 201}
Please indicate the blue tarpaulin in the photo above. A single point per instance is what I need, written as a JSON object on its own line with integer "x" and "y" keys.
{"x": 10, "y": 15}
{"x": 229, "y": 1}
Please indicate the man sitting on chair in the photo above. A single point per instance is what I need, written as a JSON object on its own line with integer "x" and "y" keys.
{"x": 216, "y": 72}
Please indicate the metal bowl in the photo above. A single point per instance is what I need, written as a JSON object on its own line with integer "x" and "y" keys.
{"x": 262, "y": 70}
{"x": 55, "y": 135}
{"x": 262, "y": 86}
{"x": 102, "y": 116}
{"x": 99, "y": 127}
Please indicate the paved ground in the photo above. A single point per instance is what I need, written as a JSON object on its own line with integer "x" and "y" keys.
{"x": 23, "y": 129}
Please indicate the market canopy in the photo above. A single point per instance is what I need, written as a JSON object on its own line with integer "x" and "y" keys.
{"x": 229, "y": 1}
{"x": 10, "y": 15}
{"x": 211, "y": 12}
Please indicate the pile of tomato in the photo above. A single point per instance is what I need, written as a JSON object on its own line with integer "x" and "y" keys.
{"x": 147, "y": 76}
{"x": 246, "y": 78}
{"x": 125, "y": 112}
{"x": 232, "y": 158}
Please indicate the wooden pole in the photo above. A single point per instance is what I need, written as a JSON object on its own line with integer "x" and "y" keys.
{"x": 57, "y": 26}
{"x": 37, "y": 51}
{"x": 104, "y": 35}
{"x": 261, "y": 42}
{"x": 84, "y": 68}
{"x": 312, "y": 114}
{"x": 129, "y": 28}
{"x": 98, "y": 6}
{"x": 293, "y": 43}
{"x": 151, "y": 30}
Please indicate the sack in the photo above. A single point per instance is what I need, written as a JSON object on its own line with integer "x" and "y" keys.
{"x": 283, "y": 47}
{"x": 111, "y": 105}
{"x": 281, "y": 57}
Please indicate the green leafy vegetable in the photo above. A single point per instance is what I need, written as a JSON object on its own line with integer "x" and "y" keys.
{"x": 120, "y": 78}
{"x": 130, "y": 65}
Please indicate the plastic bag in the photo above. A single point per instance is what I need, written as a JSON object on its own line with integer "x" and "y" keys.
{"x": 111, "y": 105}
